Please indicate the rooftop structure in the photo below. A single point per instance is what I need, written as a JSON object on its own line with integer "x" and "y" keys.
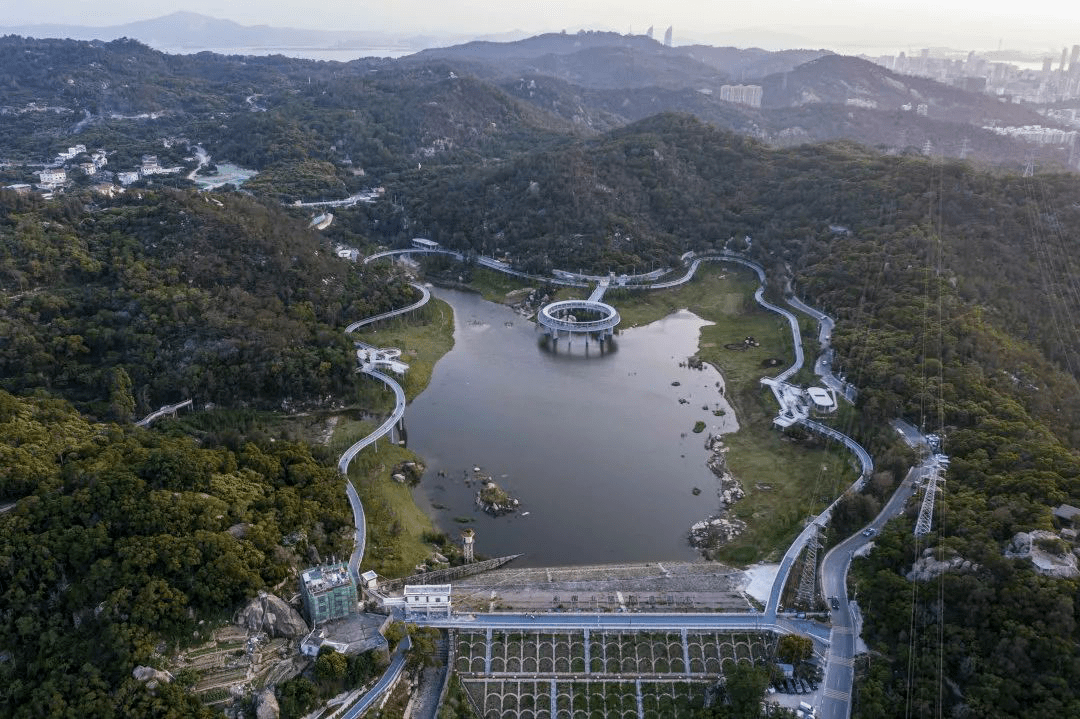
{"x": 822, "y": 400}
{"x": 1067, "y": 513}
{"x": 427, "y": 600}
{"x": 421, "y": 244}
{"x": 328, "y": 593}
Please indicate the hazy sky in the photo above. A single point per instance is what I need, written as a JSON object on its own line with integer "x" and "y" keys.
{"x": 960, "y": 23}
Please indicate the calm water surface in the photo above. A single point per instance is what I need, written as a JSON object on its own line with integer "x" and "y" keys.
{"x": 597, "y": 447}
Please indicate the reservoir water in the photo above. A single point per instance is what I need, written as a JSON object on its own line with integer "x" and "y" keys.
{"x": 599, "y": 448}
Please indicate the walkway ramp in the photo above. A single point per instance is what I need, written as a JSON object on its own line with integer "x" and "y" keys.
{"x": 598, "y": 293}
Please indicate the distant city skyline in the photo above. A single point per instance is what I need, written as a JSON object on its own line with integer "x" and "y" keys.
{"x": 984, "y": 25}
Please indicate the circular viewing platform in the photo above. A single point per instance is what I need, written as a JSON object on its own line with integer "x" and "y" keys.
{"x": 578, "y": 317}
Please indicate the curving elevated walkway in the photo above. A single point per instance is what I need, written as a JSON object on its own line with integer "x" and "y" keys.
{"x": 167, "y": 409}
{"x": 424, "y": 299}
{"x": 482, "y": 260}
{"x": 359, "y": 519}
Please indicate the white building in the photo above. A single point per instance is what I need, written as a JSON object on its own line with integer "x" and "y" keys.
{"x": 742, "y": 94}
{"x": 427, "y": 600}
{"x": 822, "y": 400}
{"x": 126, "y": 178}
{"x": 52, "y": 178}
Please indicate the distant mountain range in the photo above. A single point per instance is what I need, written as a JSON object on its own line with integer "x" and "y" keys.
{"x": 582, "y": 83}
{"x": 188, "y": 31}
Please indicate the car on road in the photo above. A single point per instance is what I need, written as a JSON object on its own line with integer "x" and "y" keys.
{"x": 869, "y": 532}
{"x": 834, "y": 602}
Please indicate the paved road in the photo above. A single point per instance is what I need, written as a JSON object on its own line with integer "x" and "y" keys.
{"x": 397, "y": 663}
{"x": 742, "y": 621}
{"x": 839, "y": 672}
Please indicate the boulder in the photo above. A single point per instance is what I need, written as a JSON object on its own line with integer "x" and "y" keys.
{"x": 150, "y": 676}
{"x": 270, "y": 614}
{"x": 266, "y": 705}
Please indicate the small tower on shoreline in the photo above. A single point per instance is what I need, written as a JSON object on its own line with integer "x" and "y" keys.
{"x": 467, "y": 538}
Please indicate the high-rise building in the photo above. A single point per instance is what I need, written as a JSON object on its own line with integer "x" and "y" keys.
{"x": 1048, "y": 64}
{"x": 742, "y": 94}
{"x": 648, "y": 33}
{"x": 667, "y": 35}
{"x": 328, "y": 592}
{"x": 1064, "y": 56}
{"x": 1074, "y": 59}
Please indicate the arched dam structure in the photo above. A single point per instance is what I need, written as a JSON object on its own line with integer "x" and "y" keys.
{"x": 567, "y": 318}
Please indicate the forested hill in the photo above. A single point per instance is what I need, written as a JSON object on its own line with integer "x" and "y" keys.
{"x": 955, "y": 293}
{"x": 641, "y": 195}
{"x": 122, "y": 305}
{"x": 346, "y": 124}
{"x": 127, "y": 538}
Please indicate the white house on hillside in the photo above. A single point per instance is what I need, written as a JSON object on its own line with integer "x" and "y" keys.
{"x": 52, "y": 178}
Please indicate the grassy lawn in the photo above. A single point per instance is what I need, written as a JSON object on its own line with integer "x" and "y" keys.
{"x": 785, "y": 481}
{"x": 396, "y": 526}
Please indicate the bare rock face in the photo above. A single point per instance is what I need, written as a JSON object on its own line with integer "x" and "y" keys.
{"x": 928, "y": 567}
{"x": 266, "y": 705}
{"x": 150, "y": 676}
{"x": 267, "y": 613}
{"x": 1050, "y": 554}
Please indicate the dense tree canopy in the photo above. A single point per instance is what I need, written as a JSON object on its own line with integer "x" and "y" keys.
{"x": 123, "y": 537}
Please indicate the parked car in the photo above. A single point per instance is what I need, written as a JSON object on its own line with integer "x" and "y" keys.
{"x": 834, "y": 602}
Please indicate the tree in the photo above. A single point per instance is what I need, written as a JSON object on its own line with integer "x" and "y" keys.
{"x": 792, "y": 648}
{"x": 745, "y": 686}
{"x": 331, "y": 665}
{"x": 121, "y": 403}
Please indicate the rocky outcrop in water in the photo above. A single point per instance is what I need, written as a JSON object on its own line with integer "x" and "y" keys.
{"x": 715, "y": 531}
{"x": 494, "y": 500}
{"x": 270, "y": 614}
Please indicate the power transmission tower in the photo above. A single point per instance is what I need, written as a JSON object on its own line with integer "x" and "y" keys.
{"x": 926, "y": 511}
{"x": 808, "y": 580}
{"x": 1029, "y": 167}
{"x": 965, "y": 148}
